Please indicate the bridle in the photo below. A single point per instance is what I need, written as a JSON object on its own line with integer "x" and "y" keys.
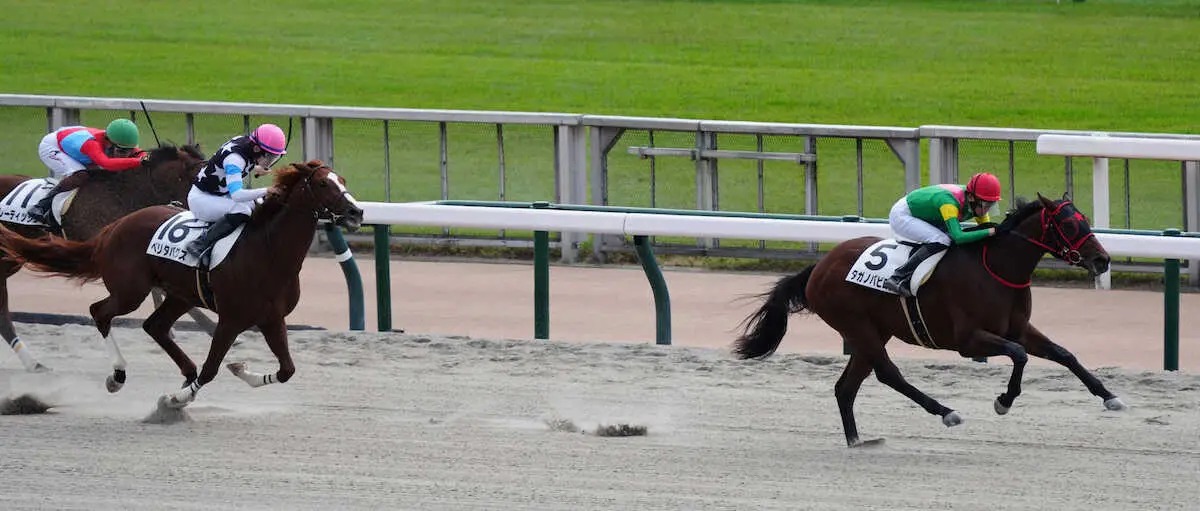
{"x": 323, "y": 212}
{"x": 1052, "y": 240}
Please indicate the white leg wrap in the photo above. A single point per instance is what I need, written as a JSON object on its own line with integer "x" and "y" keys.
{"x": 27, "y": 360}
{"x": 251, "y": 378}
{"x": 184, "y": 396}
{"x": 114, "y": 353}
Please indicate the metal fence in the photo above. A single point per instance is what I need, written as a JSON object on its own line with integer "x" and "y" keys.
{"x": 404, "y": 155}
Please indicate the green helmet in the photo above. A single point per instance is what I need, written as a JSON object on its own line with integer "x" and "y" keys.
{"x": 123, "y": 133}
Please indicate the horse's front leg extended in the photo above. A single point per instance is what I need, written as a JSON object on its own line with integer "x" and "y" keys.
{"x": 987, "y": 344}
{"x": 275, "y": 333}
{"x": 222, "y": 340}
{"x": 1038, "y": 345}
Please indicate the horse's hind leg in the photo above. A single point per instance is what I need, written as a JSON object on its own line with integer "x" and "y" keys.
{"x": 275, "y": 333}
{"x": 158, "y": 325}
{"x": 103, "y": 312}
{"x": 846, "y": 390}
{"x": 986, "y": 344}
{"x": 1037, "y": 344}
{"x": 8, "y": 330}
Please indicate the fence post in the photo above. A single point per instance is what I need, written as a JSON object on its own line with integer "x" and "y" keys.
{"x": 541, "y": 280}
{"x": 1171, "y": 311}
{"x": 658, "y": 285}
{"x": 354, "y": 287}
{"x": 383, "y": 277}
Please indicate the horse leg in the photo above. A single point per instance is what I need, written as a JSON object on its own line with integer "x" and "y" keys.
{"x": 987, "y": 344}
{"x": 8, "y": 330}
{"x": 888, "y": 374}
{"x": 103, "y": 313}
{"x": 1037, "y": 344}
{"x": 222, "y": 339}
{"x": 846, "y": 390}
{"x": 158, "y": 325}
{"x": 275, "y": 333}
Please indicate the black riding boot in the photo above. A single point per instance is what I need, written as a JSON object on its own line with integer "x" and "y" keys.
{"x": 41, "y": 211}
{"x": 899, "y": 281}
{"x": 219, "y": 229}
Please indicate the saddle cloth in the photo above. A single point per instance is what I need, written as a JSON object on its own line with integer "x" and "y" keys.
{"x": 880, "y": 261}
{"x": 14, "y": 207}
{"x": 173, "y": 236}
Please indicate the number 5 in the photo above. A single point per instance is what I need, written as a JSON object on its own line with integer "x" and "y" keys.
{"x": 883, "y": 257}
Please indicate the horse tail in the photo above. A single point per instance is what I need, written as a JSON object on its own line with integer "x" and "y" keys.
{"x": 57, "y": 256}
{"x": 765, "y": 328}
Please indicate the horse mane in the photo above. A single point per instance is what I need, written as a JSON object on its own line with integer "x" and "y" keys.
{"x": 166, "y": 153}
{"x": 286, "y": 178}
{"x": 1022, "y": 209}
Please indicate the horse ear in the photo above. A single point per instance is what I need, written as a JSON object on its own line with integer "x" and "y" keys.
{"x": 1066, "y": 196}
{"x": 1045, "y": 202}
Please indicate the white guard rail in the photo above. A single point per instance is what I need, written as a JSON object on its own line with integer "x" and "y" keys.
{"x": 632, "y": 224}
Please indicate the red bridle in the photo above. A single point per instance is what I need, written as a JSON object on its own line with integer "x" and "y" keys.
{"x": 1066, "y": 249}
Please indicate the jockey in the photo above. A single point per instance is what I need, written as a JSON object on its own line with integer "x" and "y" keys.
{"x": 931, "y": 216}
{"x": 218, "y": 193}
{"x": 70, "y": 149}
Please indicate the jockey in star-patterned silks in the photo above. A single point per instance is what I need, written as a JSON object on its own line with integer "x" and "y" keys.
{"x": 218, "y": 193}
{"x": 932, "y": 215}
{"x": 70, "y": 149}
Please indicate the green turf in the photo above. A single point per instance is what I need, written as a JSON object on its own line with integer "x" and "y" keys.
{"x": 1107, "y": 65}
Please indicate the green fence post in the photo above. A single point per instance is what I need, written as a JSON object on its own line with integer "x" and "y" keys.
{"x": 1171, "y": 310}
{"x": 541, "y": 280}
{"x": 354, "y": 285}
{"x": 658, "y": 285}
{"x": 383, "y": 277}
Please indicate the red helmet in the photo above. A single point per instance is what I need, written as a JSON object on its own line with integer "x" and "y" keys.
{"x": 985, "y": 186}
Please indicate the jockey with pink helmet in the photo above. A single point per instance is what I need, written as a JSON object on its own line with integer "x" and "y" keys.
{"x": 218, "y": 193}
{"x": 931, "y": 216}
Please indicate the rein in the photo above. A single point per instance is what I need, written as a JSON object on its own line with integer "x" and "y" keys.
{"x": 1067, "y": 250}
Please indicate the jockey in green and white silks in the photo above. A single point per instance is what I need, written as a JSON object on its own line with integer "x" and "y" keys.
{"x": 931, "y": 216}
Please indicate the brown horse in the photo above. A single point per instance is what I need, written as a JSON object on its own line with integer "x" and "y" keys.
{"x": 977, "y": 302}
{"x": 257, "y": 284}
{"x": 163, "y": 178}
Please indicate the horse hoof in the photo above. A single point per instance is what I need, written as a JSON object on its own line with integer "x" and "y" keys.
{"x": 1000, "y": 409}
{"x": 1115, "y": 404}
{"x": 875, "y": 442}
{"x": 172, "y": 402}
{"x": 39, "y": 368}
{"x": 952, "y": 419}
{"x": 112, "y": 384}
{"x": 236, "y": 368}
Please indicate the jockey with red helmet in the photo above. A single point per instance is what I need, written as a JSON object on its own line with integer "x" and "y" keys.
{"x": 218, "y": 193}
{"x": 931, "y": 216}
{"x": 70, "y": 149}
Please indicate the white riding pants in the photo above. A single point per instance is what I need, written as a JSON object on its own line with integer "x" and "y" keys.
{"x": 911, "y": 228}
{"x": 60, "y": 164}
{"x": 210, "y": 208}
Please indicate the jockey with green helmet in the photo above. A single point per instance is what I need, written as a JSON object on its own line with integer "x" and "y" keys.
{"x": 219, "y": 194}
{"x": 68, "y": 150}
{"x": 931, "y": 216}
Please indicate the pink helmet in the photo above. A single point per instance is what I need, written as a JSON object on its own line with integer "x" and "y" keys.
{"x": 270, "y": 138}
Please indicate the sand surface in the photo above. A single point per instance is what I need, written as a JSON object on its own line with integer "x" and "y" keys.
{"x": 388, "y": 421}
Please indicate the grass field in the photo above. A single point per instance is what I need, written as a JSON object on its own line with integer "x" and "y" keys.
{"x": 1119, "y": 65}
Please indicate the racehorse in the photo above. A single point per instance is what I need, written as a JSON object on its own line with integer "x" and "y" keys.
{"x": 257, "y": 283}
{"x": 164, "y": 177}
{"x": 977, "y": 302}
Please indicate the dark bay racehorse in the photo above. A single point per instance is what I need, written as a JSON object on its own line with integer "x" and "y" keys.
{"x": 166, "y": 176}
{"x": 977, "y": 302}
{"x": 258, "y": 284}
